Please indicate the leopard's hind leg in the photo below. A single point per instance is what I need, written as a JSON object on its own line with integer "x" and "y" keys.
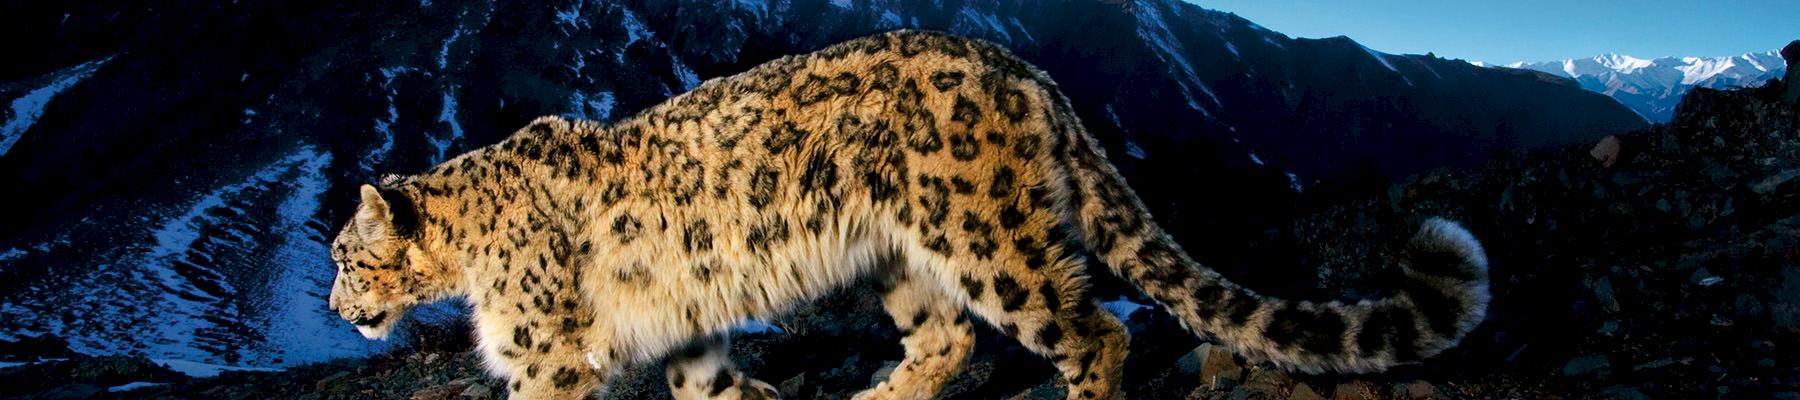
{"x": 1037, "y": 296}
{"x": 935, "y": 331}
{"x": 703, "y": 370}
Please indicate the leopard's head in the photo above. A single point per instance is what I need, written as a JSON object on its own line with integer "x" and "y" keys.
{"x": 381, "y": 270}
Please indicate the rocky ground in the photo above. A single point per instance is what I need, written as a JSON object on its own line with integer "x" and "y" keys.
{"x": 1657, "y": 264}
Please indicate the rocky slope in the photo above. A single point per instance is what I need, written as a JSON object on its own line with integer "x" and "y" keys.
{"x": 1652, "y": 87}
{"x": 183, "y": 162}
{"x": 1667, "y": 272}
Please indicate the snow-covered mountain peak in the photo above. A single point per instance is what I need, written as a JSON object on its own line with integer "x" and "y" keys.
{"x": 1653, "y": 86}
{"x": 1623, "y": 63}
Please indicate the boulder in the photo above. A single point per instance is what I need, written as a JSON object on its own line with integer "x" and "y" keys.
{"x": 1356, "y": 390}
{"x": 1214, "y": 365}
{"x": 1304, "y": 392}
{"x": 1419, "y": 390}
{"x": 1587, "y": 366}
{"x": 1607, "y": 151}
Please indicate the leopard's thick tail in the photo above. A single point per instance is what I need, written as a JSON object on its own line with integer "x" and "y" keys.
{"x": 1444, "y": 293}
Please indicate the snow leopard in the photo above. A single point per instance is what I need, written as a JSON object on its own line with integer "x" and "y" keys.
{"x": 949, "y": 172}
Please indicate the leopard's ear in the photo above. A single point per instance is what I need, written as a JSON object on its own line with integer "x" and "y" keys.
{"x": 374, "y": 219}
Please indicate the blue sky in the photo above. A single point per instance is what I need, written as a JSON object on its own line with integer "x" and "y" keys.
{"x": 1503, "y": 31}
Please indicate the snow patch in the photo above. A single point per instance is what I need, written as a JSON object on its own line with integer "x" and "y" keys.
{"x": 889, "y": 20}
{"x": 1433, "y": 71}
{"x": 1132, "y": 149}
{"x": 1294, "y": 181}
{"x": 297, "y": 316}
{"x": 758, "y": 8}
{"x": 1154, "y": 30}
{"x": 1698, "y": 69}
{"x": 384, "y": 125}
{"x": 204, "y": 370}
{"x": 446, "y": 115}
{"x": 190, "y": 281}
{"x": 571, "y": 17}
{"x": 580, "y": 63}
{"x": 635, "y": 29}
{"x": 975, "y": 22}
{"x": 1114, "y": 116}
{"x": 1022, "y": 30}
{"x": 1123, "y": 307}
{"x": 844, "y": 4}
{"x": 11, "y": 254}
{"x": 10, "y": 364}
{"x": 133, "y": 386}
{"x": 596, "y": 107}
{"x": 26, "y": 109}
{"x": 443, "y": 57}
{"x": 1378, "y": 57}
{"x": 689, "y": 80}
{"x": 1382, "y": 58}
{"x": 755, "y": 327}
{"x": 178, "y": 235}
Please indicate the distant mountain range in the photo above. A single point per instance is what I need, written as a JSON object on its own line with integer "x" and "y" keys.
{"x": 1653, "y": 87}
{"x": 174, "y": 171}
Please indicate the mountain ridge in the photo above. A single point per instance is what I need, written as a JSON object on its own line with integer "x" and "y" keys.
{"x": 1653, "y": 87}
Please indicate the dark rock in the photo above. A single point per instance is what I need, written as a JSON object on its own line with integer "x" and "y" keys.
{"x": 1770, "y": 184}
{"x": 1261, "y": 384}
{"x": 1210, "y": 363}
{"x": 1748, "y": 306}
{"x": 1608, "y": 328}
{"x": 445, "y": 391}
{"x": 441, "y": 392}
{"x": 791, "y": 388}
{"x": 330, "y": 381}
{"x": 1304, "y": 392}
{"x": 1587, "y": 366}
{"x": 1420, "y": 390}
{"x": 35, "y": 347}
{"x": 1354, "y": 390}
{"x": 72, "y": 392}
{"x": 1654, "y": 364}
{"x": 1621, "y": 393}
{"x": 882, "y": 374}
{"x": 478, "y": 391}
{"x": 1607, "y": 151}
{"x": 1046, "y": 391}
{"x": 60, "y": 376}
{"x": 1603, "y": 293}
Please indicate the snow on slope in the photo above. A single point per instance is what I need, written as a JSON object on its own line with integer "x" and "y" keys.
{"x": 1153, "y": 29}
{"x": 27, "y": 108}
{"x": 186, "y": 294}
